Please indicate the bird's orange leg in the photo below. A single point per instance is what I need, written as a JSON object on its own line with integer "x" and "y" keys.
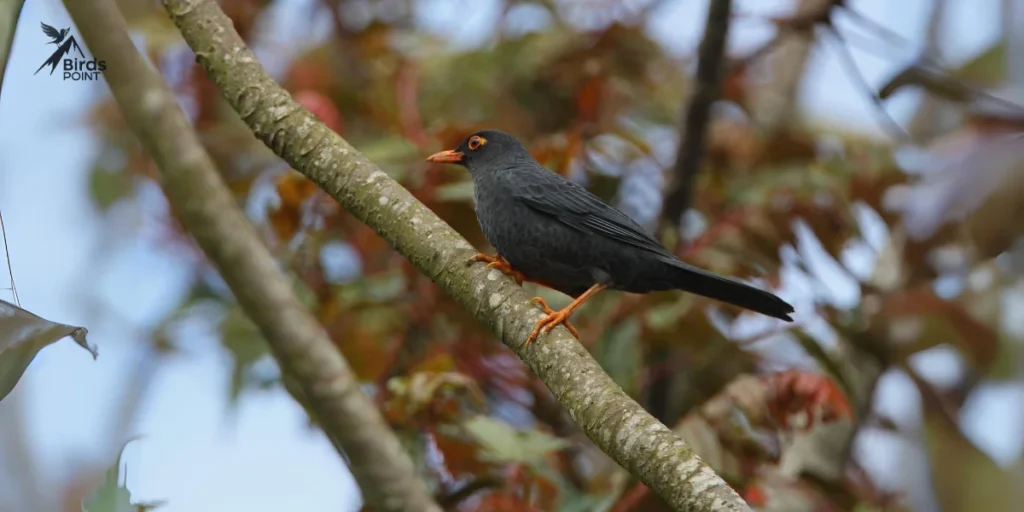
{"x": 548, "y": 311}
{"x": 499, "y": 263}
{"x": 553, "y": 318}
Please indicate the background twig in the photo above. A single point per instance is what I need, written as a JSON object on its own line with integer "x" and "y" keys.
{"x": 693, "y": 131}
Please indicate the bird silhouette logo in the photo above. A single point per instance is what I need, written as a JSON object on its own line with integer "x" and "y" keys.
{"x": 65, "y": 43}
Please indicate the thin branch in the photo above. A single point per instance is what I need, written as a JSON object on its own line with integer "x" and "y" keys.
{"x": 384, "y": 471}
{"x": 693, "y": 131}
{"x": 608, "y": 416}
{"x": 943, "y": 85}
{"x": 7, "y": 254}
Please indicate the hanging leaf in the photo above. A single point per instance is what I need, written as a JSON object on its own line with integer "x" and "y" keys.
{"x": 23, "y": 335}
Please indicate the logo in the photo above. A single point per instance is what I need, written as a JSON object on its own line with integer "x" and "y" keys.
{"x": 75, "y": 69}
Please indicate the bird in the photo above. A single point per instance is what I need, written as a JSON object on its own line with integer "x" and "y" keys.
{"x": 52, "y": 33}
{"x": 552, "y": 231}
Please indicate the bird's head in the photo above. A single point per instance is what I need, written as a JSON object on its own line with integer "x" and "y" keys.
{"x": 482, "y": 150}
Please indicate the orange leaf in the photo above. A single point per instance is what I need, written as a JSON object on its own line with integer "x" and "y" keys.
{"x": 798, "y": 390}
{"x": 293, "y": 189}
{"x": 460, "y": 456}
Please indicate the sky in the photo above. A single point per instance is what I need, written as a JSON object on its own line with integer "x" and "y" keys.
{"x": 193, "y": 453}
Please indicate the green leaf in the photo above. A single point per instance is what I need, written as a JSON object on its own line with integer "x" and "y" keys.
{"x": 988, "y": 67}
{"x": 243, "y": 340}
{"x": 112, "y": 495}
{"x": 503, "y": 443}
{"x": 108, "y": 187}
{"x": 23, "y": 335}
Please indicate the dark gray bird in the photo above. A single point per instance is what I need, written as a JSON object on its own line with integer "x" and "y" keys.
{"x": 552, "y": 231}
{"x": 52, "y": 33}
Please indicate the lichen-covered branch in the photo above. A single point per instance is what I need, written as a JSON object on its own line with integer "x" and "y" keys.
{"x": 609, "y": 417}
{"x": 384, "y": 471}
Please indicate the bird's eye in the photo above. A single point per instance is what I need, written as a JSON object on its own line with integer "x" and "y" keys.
{"x": 476, "y": 141}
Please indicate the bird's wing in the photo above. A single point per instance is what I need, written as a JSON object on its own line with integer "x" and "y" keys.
{"x": 49, "y": 31}
{"x": 574, "y": 206}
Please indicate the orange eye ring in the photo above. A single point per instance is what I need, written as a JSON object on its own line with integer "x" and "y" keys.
{"x": 475, "y": 142}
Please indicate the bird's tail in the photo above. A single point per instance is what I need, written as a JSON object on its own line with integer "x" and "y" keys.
{"x": 680, "y": 276}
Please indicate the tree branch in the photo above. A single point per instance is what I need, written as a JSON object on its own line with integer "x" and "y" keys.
{"x": 693, "y": 131}
{"x": 609, "y": 417}
{"x": 384, "y": 471}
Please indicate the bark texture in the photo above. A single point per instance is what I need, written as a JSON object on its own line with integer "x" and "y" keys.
{"x": 384, "y": 471}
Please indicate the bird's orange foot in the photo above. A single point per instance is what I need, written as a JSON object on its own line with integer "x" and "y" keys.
{"x": 549, "y": 322}
{"x": 499, "y": 263}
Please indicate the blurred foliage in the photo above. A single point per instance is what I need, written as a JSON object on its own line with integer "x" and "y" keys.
{"x": 112, "y": 495}
{"x": 595, "y": 98}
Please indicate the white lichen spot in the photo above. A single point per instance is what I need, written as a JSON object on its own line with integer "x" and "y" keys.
{"x": 383, "y": 200}
{"x": 625, "y": 437}
{"x": 494, "y": 300}
{"x": 415, "y": 221}
{"x": 703, "y": 480}
{"x": 479, "y": 288}
{"x": 152, "y": 100}
{"x": 493, "y": 275}
{"x": 374, "y": 176}
{"x": 278, "y": 112}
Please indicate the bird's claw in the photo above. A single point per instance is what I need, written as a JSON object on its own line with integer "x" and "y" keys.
{"x": 550, "y": 320}
{"x": 499, "y": 263}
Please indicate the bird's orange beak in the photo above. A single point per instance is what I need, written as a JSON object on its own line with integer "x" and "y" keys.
{"x": 449, "y": 156}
